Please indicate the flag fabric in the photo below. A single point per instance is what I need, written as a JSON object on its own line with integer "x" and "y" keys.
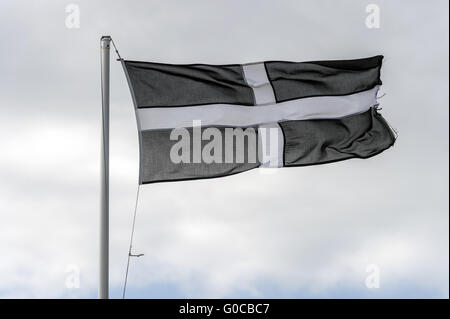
{"x": 203, "y": 121}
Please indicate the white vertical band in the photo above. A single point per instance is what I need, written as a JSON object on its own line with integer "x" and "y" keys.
{"x": 271, "y": 145}
{"x": 256, "y": 77}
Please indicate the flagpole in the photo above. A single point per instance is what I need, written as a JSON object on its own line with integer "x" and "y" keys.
{"x": 103, "y": 285}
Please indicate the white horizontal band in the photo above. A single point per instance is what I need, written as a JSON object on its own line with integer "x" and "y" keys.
{"x": 321, "y": 107}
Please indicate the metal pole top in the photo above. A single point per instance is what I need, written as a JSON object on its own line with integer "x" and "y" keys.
{"x": 105, "y": 40}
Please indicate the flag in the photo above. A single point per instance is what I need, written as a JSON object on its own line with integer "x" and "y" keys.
{"x": 202, "y": 121}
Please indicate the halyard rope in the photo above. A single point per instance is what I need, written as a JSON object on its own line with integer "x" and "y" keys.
{"x": 134, "y": 215}
{"x": 131, "y": 244}
{"x": 115, "y": 48}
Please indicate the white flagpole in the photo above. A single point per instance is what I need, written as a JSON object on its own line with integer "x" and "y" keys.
{"x": 103, "y": 285}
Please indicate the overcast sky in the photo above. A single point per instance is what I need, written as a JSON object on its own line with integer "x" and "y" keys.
{"x": 298, "y": 232}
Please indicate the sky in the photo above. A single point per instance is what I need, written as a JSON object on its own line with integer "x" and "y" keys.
{"x": 311, "y": 232}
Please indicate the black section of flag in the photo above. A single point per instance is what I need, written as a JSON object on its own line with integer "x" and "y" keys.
{"x": 323, "y": 141}
{"x": 293, "y": 80}
{"x": 355, "y": 65}
{"x": 157, "y": 164}
{"x": 169, "y": 85}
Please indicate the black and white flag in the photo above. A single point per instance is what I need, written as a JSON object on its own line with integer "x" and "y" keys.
{"x": 203, "y": 121}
